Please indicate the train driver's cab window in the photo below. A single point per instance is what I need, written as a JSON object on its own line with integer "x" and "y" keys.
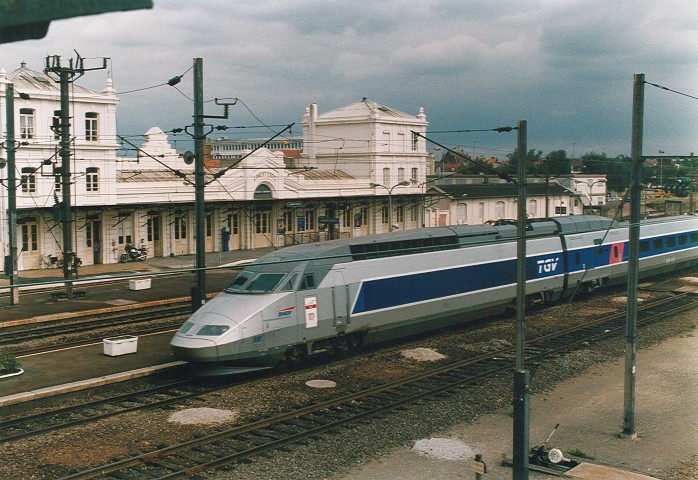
{"x": 288, "y": 284}
{"x": 239, "y": 282}
{"x": 644, "y": 246}
{"x": 308, "y": 282}
{"x": 264, "y": 282}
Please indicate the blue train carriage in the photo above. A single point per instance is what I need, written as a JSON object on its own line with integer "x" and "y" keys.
{"x": 470, "y": 273}
{"x": 318, "y": 298}
{"x": 599, "y": 256}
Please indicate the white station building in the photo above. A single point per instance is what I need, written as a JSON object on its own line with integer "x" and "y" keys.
{"x": 356, "y": 161}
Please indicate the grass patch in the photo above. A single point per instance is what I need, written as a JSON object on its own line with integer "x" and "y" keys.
{"x": 580, "y": 454}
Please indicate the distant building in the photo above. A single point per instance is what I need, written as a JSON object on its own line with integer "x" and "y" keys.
{"x": 476, "y": 199}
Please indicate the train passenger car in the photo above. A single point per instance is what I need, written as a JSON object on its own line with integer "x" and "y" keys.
{"x": 316, "y": 298}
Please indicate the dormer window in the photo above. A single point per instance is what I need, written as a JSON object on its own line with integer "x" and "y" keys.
{"x": 26, "y": 122}
{"x": 91, "y": 131}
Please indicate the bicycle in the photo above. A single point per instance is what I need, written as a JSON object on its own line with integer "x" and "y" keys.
{"x": 51, "y": 261}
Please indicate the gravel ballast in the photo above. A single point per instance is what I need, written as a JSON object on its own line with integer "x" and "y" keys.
{"x": 53, "y": 455}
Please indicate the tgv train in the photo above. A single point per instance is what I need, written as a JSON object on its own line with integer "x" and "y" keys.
{"x": 317, "y": 298}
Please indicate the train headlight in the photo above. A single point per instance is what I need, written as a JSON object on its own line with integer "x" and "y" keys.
{"x": 212, "y": 330}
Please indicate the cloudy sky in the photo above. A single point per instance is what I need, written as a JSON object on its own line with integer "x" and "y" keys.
{"x": 564, "y": 66}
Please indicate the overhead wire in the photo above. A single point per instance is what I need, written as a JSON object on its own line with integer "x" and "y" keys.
{"x": 661, "y": 87}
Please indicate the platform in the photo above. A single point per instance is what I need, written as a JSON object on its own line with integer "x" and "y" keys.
{"x": 72, "y": 369}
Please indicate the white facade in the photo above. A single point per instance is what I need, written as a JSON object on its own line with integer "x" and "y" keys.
{"x": 473, "y": 200}
{"x": 590, "y": 188}
{"x": 367, "y": 140}
{"x": 93, "y": 130}
{"x": 149, "y": 198}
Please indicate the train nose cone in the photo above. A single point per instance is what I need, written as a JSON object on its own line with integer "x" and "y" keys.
{"x": 193, "y": 349}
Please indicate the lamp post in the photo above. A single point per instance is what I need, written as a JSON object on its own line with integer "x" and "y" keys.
{"x": 661, "y": 172}
{"x": 591, "y": 187}
{"x": 390, "y": 199}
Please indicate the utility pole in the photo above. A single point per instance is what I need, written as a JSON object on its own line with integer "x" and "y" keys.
{"x": 200, "y": 226}
{"x": 199, "y": 291}
{"x": 522, "y": 393}
{"x": 11, "y": 265}
{"x": 65, "y": 76}
{"x": 692, "y": 207}
{"x": 633, "y": 258}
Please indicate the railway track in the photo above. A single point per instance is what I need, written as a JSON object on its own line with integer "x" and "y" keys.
{"x": 241, "y": 442}
{"x": 13, "y": 336}
{"x": 154, "y": 397}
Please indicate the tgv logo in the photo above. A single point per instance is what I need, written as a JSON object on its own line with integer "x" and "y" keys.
{"x": 548, "y": 265}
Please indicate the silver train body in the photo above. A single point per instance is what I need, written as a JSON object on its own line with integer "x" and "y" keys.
{"x": 316, "y": 298}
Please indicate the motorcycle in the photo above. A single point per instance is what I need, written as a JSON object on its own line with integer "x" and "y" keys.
{"x": 132, "y": 253}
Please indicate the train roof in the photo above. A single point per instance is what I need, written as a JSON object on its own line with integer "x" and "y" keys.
{"x": 427, "y": 239}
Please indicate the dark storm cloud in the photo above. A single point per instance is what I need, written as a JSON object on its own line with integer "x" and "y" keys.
{"x": 565, "y": 66}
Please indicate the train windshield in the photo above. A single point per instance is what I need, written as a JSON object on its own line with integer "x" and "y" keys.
{"x": 265, "y": 282}
{"x": 250, "y": 282}
{"x": 239, "y": 281}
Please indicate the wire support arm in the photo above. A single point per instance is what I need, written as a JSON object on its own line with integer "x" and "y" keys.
{"x": 493, "y": 171}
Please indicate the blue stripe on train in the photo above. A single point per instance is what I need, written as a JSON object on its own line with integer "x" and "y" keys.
{"x": 412, "y": 288}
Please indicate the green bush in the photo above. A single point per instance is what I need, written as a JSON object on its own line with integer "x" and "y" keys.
{"x": 8, "y": 362}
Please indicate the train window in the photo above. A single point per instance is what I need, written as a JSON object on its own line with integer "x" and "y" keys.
{"x": 308, "y": 282}
{"x": 657, "y": 244}
{"x": 683, "y": 239}
{"x": 289, "y": 283}
{"x": 670, "y": 242}
{"x": 264, "y": 282}
{"x": 238, "y": 283}
{"x": 644, "y": 246}
{"x": 576, "y": 258}
{"x": 212, "y": 330}
{"x": 186, "y": 327}
{"x": 694, "y": 237}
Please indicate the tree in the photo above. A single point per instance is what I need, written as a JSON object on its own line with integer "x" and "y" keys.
{"x": 556, "y": 163}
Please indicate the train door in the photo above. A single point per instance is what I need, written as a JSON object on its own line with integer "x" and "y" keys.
{"x": 30, "y": 244}
{"x": 93, "y": 241}
{"x": 339, "y": 300}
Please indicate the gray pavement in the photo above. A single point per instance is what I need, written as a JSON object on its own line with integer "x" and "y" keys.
{"x": 589, "y": 409}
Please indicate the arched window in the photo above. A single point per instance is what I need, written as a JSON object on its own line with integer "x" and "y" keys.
{"x": 92, "y": 179}
{"x": 26, "y": 122}
{"x": 462, "y": 213}
{"x": 532, "y": 208}
{"x": 262, "y": 191}
{"x": 91, "y": 131}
